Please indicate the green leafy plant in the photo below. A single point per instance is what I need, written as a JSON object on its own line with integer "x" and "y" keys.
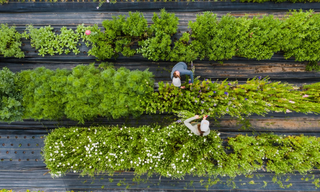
{"x": 257, "y": 96}
{"x": 11, "y": 108}
{"x": 47, "y": 42}
{"x": 120, "y": 34}
{"x": 83, "y": 93}
{"x": 174, "y": 152}
{"x": 10, "y": 42}
{"x": 158, "y": 47}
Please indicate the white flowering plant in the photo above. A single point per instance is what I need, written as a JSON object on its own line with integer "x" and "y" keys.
{"x": 172, "y": 151}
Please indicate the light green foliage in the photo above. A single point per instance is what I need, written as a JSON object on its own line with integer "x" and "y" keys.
{"x": 302, "y": 36}
{"x": 158, "y": 47}
{"x": 120, "y": 34}
{"x": 281, "y": 154}
{"x": 174, "y": 152}
{"x": 220, "y": 98}
{"x": 84, "y": 93}
{"x": 10, "y": 42}
{"x": 43, "y": 92}
{"x": 10, "y": 106}
{"x": 47, "y": 42}
{"x": 171, "y": 151}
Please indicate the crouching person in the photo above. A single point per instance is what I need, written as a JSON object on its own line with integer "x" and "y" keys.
{"x": 201, "y": 129}
{"x": 178, "y": 70}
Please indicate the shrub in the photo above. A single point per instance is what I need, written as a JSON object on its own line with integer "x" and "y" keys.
{"x": 10, "y": 42}
{"x": 158, "y": 47}
{"x": 83, "y": 93}
{"x": 46, "y": 41}
{"x": 11, "y": 98}
{"x": 175, "y": 152}
{"x": 119, "y": 36}
{"x": 220, "y": 98}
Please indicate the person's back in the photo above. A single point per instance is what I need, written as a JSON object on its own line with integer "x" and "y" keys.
{"x": 200, "y": 129}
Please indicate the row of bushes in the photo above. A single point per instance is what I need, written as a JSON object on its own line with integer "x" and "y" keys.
{"x": 174, "y": 151}
{"x": 297, "y": 35}
{"x": 86, "y": 92}
{"x": 83, "y": 93}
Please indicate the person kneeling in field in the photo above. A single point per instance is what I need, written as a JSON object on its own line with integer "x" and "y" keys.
{"x": 201, "y": 129}
{"x": 178, "y": 70}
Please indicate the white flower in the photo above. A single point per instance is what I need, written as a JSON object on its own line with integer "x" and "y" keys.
{"x": 218, "y": 133}
{"x": 76, "y": 164}
{"x": 71, "y": 167}
{"x": 80, "y": 159}
{"x": 57, "y": 165}
{"x": 74, "y": 171}
{"x": 131, "y": 162}
{"x": 90, "y": 167}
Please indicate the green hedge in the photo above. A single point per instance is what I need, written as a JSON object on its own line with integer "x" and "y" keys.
{"x": 174, "y": 151}
{"x": 11, "y": 108}
{"x": 87, "y": 92}
{"x": 83, "y": 93}
{"x": 297, "y": 35}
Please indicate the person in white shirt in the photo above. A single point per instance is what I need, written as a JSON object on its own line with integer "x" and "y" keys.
{"x": 201, "y": 129}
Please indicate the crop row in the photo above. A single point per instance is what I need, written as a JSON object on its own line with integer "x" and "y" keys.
{"x": 86, "y": 92}
{"x": 174, "y": 151}
{"x": 297, "y": 35}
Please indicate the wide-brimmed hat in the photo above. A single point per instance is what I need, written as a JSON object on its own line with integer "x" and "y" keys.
{"x": 204, "y": 126}
{"x": 176, "y": 81}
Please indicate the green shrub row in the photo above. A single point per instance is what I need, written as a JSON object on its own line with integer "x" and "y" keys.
{"x": 82, "y": 93}
{"x": 297, "y": 35}
{"x": 174, "y": 151}
{"x": 87, "y": 92}
{"x": 215, "y": 98}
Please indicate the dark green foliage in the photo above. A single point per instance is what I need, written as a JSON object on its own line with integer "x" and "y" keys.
{"x": 158, "y": 47}
{"x": 10, "y": 42}
{"x": 47, "y": 41}
{"x": 10, "y": 106}
{"x": 120, "y": 34}
{"x": 83, "y": 93}
{"x": 184, "y": 51}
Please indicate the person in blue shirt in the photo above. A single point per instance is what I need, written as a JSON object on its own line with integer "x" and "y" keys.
{"x": 178, "y": 70}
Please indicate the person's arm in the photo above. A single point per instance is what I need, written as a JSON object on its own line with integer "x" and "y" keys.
{"x": 187, "y": 72}
{"x": 187, "y": 123}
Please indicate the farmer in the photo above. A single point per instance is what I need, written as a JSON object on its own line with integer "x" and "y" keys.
{"x": 178, "y": 70}
{"x": 201, "y": 129}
